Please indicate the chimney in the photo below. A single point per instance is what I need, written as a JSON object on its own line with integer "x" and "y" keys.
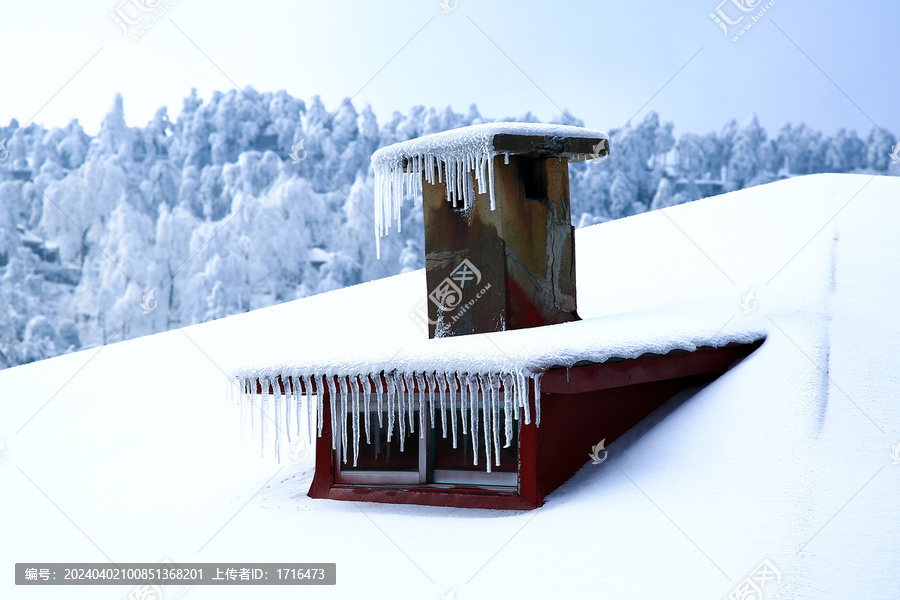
{"x": 499, "y": 240}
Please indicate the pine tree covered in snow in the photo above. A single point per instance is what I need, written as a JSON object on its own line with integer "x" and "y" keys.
{"x": 249, "y": 199}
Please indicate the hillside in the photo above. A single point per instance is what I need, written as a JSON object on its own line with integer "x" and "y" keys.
{"x": 188, "y": 214}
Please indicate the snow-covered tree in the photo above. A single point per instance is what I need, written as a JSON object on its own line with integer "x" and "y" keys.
{"x": 878, "y": 148}
{"x": 206, "y": 214}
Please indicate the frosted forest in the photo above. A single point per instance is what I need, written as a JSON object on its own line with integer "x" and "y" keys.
{"x": 250, "y": 199}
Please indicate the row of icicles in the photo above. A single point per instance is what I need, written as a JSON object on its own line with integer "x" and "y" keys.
{"x": 476, "y": 396}
{"x": 402, "y": 179}
{"x": 399, "y": 179}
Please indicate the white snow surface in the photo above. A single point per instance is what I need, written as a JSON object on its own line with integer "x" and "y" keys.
{"x": 127, "y": 452}
{"x": 515, "y": 358}
{"x": 462, "y": 151}
{"x": 675, "y": 326}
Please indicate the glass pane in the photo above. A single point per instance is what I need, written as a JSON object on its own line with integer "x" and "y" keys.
{"x": 462, "y": 457}
{"x": 381, "y": 455}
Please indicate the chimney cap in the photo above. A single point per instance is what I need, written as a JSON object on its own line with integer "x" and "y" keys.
{"x": 465, "y": 157}
{"x": 574, "y": 143}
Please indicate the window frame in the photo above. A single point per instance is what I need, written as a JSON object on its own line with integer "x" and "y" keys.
{"x": 425, "y": 476}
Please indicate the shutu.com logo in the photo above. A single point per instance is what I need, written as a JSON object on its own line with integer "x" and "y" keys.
{"x": 448, "y": 296}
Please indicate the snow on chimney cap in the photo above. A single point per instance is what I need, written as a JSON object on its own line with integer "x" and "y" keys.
{"x": 399, "y": 167}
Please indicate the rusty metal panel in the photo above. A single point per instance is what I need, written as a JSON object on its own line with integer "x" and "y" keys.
{"x": 520, "y": 257}
{"x": 457, "y": 241}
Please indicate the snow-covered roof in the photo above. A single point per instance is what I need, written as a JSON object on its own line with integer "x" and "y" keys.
{"x": 515, "y": 360}
{"x": 29, "y": 238}
{"x": 399, "y": 167}
{"x": 532, "y": 351}
{"x": 787, "y": 457}
{"x": 318, "y": 255}
{"x": 407, "y": 359}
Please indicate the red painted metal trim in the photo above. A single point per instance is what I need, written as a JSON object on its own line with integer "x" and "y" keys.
{"x": 676, "y": 364}
{"x": 529, "y": 483}
{"x": 529, "y": 460}
{"x": 521, "y": 312}
{"x": 532, "y": 470}
{"x": 458, "y": 497}
{"x": 323, "y": 478}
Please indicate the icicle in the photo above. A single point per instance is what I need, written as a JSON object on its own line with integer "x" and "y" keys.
{"x": 301, "y": 385}
{"x": 466, "y": 183}
{"x": 399, "y": 173}
{"x": 522, "y": 392}
{"x": 479, "y": 173}
{"x": 452, "y": 389}
{"x": 458, "y": 182}
{"x": 365, "y": 390}
{"x": 376, "y": 379}
{"x": 420, "y": 381}
{"x": 307, "y": 387}
{"x": 537, "y": 398}
{"x": 307, "y": 382}
{"x": 263, "y": 413}
{"x": 451, "y": 183}
{"x": 244, "y": 386}
{"x": 390, "y": 391}
{"x": 494, "y": 382}
{"x": 441, "y": 379}
{"x": 354, "y": 389}
{"x": 463, "y": 401}
{"x": 333, "y": 400}
{"x": 509, "y": 397}
{"x": 410, "y": 399}
{"x": 276, "y": 388}
{"x": 487, "y": 419}
{"x": 472, "y": 385}
{"x": 400, "y": 387}
{"x": 432, "y": 382}
{"x": 342, "y": 394}
{"x": 288, "y": 399}
{"x": 491, "y": 181}
{"x": 463, "y": 182}
{"x": 252, "y": 406}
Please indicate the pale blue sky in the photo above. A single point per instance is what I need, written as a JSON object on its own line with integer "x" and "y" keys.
{"x": 604, "y": 61}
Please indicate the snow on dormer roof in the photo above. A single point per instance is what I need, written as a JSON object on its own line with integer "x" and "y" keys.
{"x": 514, "y": 360}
